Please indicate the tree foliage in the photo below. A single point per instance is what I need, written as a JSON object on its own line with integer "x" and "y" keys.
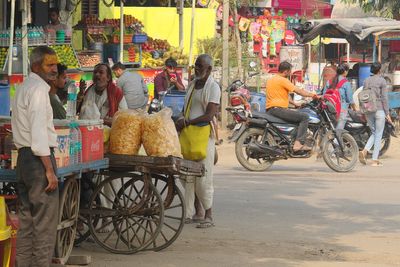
{"x": 384, "y": 8}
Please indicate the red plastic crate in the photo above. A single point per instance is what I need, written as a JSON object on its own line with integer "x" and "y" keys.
{"x": 92, "y": 142}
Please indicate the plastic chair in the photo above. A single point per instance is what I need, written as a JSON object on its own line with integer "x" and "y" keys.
{"x": 5, "y": 235}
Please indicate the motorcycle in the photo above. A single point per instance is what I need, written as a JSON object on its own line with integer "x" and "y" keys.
{"x": 357, "y": 126}
{"x": 239, "y": 107}
{"x": 264, "y": 139}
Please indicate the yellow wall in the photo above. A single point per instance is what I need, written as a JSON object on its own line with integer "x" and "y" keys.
{"x": 160, "y": 23}
{"x": 163, "y": 23}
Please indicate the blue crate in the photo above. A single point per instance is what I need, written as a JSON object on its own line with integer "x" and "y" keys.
{"x": 139, "y": 38}
{"x": 175, "y": 101}
{"x": 258, "y": 102}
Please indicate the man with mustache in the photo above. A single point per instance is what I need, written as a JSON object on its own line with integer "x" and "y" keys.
{"x": 204, "y": 95}
{"x": 35, "y": 137}
{"x": 103, "y": 98}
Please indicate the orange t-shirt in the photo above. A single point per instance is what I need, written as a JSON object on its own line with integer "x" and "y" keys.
{"x": 277, "y": 91}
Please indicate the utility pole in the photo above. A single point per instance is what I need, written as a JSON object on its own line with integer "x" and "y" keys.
{"x": 24, "y": 41}
{"x": 225, "y": 63}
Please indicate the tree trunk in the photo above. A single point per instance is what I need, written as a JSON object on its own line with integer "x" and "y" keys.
{"x": 238, "y": 43}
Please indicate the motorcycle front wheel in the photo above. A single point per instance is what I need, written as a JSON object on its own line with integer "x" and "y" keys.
{"x": 335, "y": 158}
{"x": 242, "y": 152}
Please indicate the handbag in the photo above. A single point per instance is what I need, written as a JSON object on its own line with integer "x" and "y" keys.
{"x": 194, "y": 138}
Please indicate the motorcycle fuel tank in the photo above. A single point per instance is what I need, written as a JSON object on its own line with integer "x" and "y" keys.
{"x": 312, "y": 115}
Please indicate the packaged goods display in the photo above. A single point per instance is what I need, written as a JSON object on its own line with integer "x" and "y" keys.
{"x": 125, "y": 137}
{"x": 159, "y": 136}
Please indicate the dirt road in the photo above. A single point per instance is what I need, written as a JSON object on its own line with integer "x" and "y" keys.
{"x": 300, "y": 213}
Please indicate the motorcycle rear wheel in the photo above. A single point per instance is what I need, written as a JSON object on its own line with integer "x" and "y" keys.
{"x": 250, "y": 164}
{"x": 331, "y": 151}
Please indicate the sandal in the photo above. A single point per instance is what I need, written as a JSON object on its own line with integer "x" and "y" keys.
{"x": 361, "y": 158}
{"x": 196, "y": 219}
{"x": 207, "y": 223}
{"x": 377, "y": 164}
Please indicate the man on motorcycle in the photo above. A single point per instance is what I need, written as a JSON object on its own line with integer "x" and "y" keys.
{"x": 277, "y": 90}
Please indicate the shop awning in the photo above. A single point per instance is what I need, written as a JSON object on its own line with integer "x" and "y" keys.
{"x": 352, "y": 29}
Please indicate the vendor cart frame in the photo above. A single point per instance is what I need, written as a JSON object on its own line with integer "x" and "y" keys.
{"x": 135, "y": 205}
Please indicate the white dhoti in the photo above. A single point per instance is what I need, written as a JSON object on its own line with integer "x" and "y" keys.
{"x": 202, "y": 187}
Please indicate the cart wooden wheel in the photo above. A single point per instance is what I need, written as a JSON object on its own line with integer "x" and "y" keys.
{"x": 128, "y": 202}
{"x": 89, "y": 185}
{"x": 174, "y": 211}
{"x": 67, "y": 219}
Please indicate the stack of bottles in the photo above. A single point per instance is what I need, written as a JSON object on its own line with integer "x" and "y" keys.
{"x": 75, "y": 144}
{"x": 36, "y": 36}
{"x": 71, "y": 101}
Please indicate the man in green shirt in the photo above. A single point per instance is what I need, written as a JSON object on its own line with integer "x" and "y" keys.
{"x": 58, "y": 84}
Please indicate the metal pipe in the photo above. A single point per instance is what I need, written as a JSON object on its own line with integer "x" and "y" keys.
{"x": 192, "y": 32}
{"x": 181, "y": 33}
{"x": 24, "y": 32}
{"x": 10, "y": 48}
{"x": 121, "y": 27}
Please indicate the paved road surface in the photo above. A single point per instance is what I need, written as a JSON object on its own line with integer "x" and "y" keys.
{"x": 300, "y": 213}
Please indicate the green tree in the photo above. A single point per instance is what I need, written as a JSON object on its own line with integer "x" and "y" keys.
{"x": 384, "y": 8}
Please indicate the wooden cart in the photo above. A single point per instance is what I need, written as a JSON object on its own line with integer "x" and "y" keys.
{"x": 69, "y": 201}
{"x": 137, "y": 205}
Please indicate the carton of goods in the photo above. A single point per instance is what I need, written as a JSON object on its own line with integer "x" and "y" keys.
{"x": 61, "y": 152}
{"x": 126, "y": 130}
{"x": 159, "y": 136}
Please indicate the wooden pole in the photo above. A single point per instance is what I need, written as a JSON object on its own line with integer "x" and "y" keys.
{"x": 225, "y": 64}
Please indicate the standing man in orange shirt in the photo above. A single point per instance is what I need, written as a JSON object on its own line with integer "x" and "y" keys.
{"x": 278, "y": 99}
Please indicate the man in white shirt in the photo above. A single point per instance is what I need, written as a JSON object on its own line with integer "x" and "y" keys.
{"x": 35, "y": 137}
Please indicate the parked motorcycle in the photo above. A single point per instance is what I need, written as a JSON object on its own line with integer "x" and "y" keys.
{"x": 263, "y": 139}
{"x": 357, "y": 126}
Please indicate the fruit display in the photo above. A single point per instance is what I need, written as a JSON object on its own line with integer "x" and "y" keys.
{"x": 156, "y": 59}
{"x": 89, "y": 59}
{"x": 156, "y": 44}
{"x": 3, "y": 56}
{"x": 177, "y": 54}
{"x": 66, "y": 56}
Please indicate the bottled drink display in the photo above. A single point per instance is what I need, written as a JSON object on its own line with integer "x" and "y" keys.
{"x": 71, "y": 101}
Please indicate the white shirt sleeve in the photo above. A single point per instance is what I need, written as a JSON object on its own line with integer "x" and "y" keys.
{"x": 214, "y": 95}
{"x": 37, "y": 116}
{"x": 123, "y": 104}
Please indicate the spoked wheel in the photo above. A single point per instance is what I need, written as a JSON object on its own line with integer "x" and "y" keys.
{"x": 89, "y": 183}
{"x": 68, "y": 216}
{"x": 244, "y": 154}
{"x": 335, "y": 158}
{"x": 174, "y": 212}
{"x": 131, "y": 213}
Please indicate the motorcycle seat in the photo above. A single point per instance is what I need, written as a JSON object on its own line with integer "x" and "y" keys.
{"x": 268, "y": 117}
{"x": 357, "y": 117}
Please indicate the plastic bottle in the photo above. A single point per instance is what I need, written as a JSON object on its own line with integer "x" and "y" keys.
{"x": 71, "y": 101}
